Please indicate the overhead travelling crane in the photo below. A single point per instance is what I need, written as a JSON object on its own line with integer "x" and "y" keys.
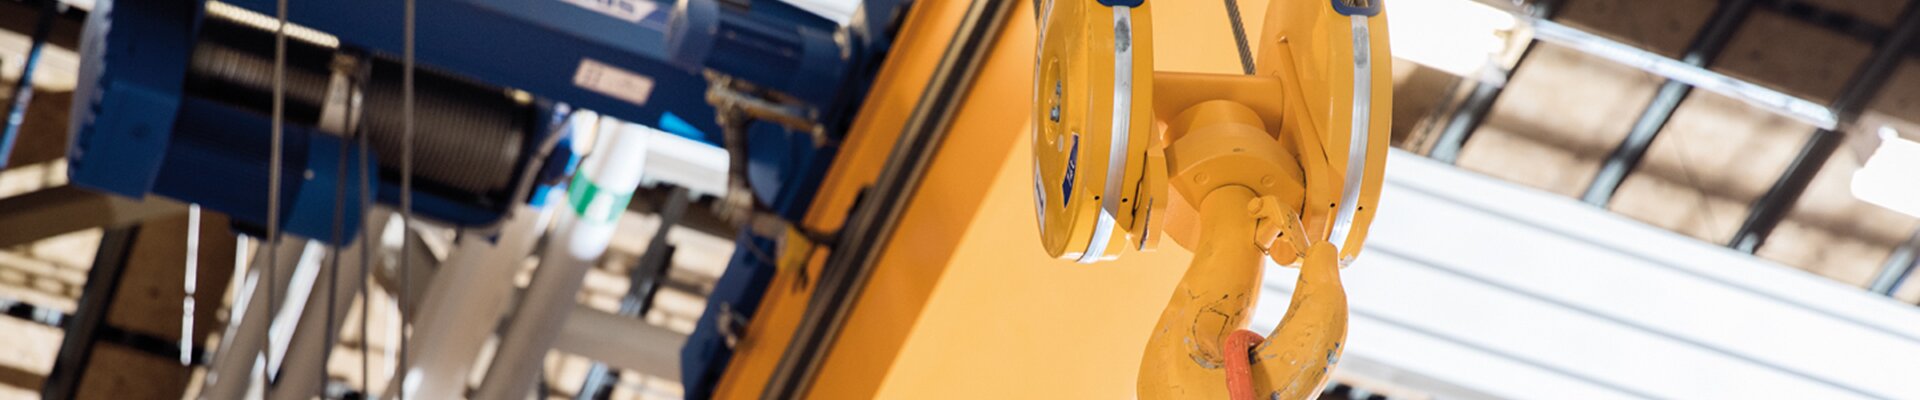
{"x": 460, "y": 112}
{"x": 906, "y": 179}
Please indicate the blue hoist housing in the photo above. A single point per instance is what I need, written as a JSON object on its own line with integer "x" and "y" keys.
{"x": 175, "y": 99}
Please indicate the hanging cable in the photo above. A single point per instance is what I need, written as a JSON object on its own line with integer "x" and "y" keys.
{"x": 339, "y": 215}
{"x": 1240, "y": 36}
{"x": 366, "y": 264}
{"x": 406, "y": 193}
{"x": 273, "y": 185}
{"x": 365, "y": 167}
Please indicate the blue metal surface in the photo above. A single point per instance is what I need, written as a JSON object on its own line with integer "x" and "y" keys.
{"x": 691, "y": 33}
{"x": 136, "y": 132}
{"x": 680, "y": 127}
{"x": 534, "y": 45}
{"x": 218, "y": 158}
{"x": 1366, "y": 7}
{"x": 559, "y": 166}
{"x": 781, "y": 13}
{"x": 870, "y": 37}
{"x": 131, "y": 72}
{"x": 740, "y": 289}
{"x": 785, "y": 168}
{"x": 875, "y": 24}
{"x": 771, "y": 44}
{"x": 132, "y": 92}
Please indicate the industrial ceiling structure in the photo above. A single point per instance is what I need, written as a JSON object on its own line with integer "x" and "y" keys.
{"x": 1710, "y": 166}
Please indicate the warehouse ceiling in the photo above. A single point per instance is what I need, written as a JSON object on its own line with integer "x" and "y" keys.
{"x": 1564, "y": 111}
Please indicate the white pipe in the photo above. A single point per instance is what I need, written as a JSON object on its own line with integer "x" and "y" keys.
{"x": 305, "y": 362}
{"x": 294, "y": 303}
{"x": 459, "y": 310}
{"x": 596, "y": 198}
{"x": 233, "y": 366}
{"x": 623, "y": 342}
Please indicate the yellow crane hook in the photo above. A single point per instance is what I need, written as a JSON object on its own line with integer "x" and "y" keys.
{"x": 1282, "y": 164}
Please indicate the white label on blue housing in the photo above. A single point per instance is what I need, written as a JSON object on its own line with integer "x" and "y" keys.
{"x": 627, "y": 10}
{"x": 613, "y": 81}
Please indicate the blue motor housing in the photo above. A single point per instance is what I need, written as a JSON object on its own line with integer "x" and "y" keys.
{"x": 171, "y": 102}
{"x": 128, "y": 93}
{"x": 176, "y": 102}
{"x": 784, "y": 168}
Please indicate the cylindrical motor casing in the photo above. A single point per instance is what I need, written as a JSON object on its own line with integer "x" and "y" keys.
{"x": 187, "y": 114}
{"x": 219, "y": 158}
{"x": 800, "y": 60}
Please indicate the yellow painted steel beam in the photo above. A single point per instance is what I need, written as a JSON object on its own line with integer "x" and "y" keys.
{"x": 961, "y": 303}
{"x": 930, "y": 24}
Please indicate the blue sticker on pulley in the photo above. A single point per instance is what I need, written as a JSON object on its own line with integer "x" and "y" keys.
{"x": 1073, "y": 161}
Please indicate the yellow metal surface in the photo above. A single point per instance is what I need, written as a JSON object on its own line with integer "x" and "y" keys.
{"x": 1076, "y": 95}
{"x": 1244, "y": 155}
{"x": 1222, "y": 143}
{"x": 1007, "y": 321}
{"x": 921, "y": 41}
{"x": 928, "y": 241}
{"x": 1184, "y": 358}
{"x": 1309, "y": 47}
{"x": 1297, "y": 358}
{"x": 962, "y": 304}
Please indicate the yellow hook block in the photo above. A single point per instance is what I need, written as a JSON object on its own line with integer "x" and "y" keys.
{"x": 1283, "y": 164}
{"x": 1093, "y": 129}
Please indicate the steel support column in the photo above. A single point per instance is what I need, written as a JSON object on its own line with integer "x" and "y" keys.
{"x": 1772, "y": 207}
{"x": 89, "y": 319}
{"x": 1706, "y": 46}
{"x": 1474, "y": 109}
